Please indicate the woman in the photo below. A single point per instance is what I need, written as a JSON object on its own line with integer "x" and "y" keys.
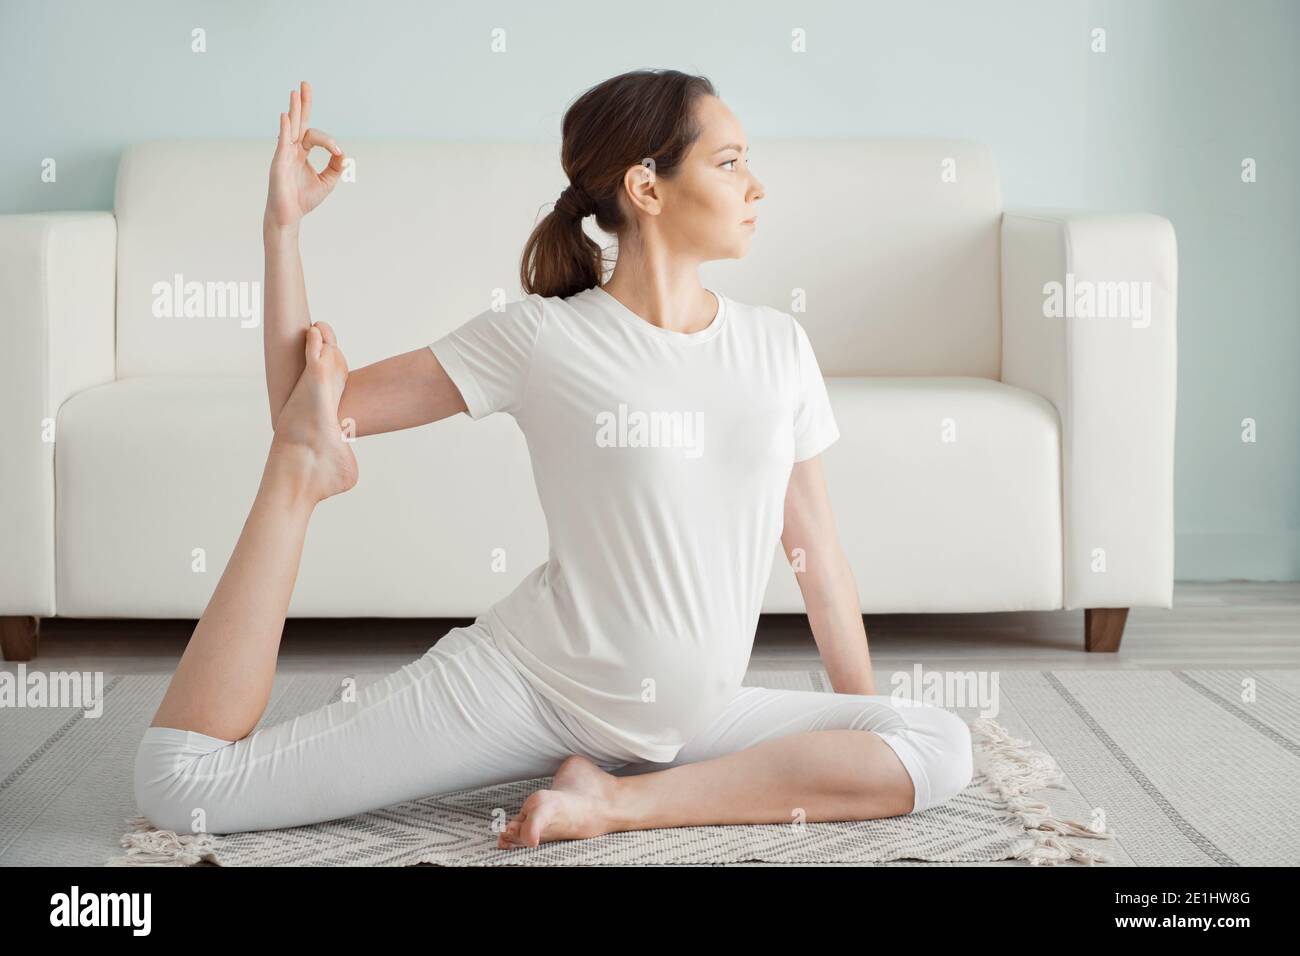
{"x": 674, "y": 436}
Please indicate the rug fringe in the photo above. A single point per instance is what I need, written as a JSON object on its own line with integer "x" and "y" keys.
{"x": 1013, "y": 769}
{"x": 149, "y": 846}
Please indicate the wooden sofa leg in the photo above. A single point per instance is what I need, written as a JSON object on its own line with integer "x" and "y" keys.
{"x": 1103, "y": 627}
{"x": 18, "y": 637}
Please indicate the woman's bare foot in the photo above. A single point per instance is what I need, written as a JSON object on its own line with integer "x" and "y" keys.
{"x": 308, "y": 438}
{"x": 579, "y": 804}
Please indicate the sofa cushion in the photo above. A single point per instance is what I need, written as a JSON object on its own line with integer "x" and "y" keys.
{"x": 445, "y": 519}
{"x": 149, "y": 469}
{"x": 946, "y": 494}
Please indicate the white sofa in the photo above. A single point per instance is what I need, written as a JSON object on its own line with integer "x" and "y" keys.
{"x": 992, "y": 458}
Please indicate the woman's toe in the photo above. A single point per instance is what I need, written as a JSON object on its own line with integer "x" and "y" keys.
{"x": 315, "y": 343}
{"x": 510, "y": 832}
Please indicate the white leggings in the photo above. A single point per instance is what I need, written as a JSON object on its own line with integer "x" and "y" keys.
{"x": 462, "y": 716}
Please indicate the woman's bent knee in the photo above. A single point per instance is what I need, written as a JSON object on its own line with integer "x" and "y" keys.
{"x": 956, "y": 768}
{"x": 938, "y": 752}
{"x": 167, "y": 792}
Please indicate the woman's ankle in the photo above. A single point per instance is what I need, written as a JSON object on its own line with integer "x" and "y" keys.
{"x": 289, "y": 472}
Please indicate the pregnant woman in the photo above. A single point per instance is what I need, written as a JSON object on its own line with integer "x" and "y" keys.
{"x": 674, "y": 436}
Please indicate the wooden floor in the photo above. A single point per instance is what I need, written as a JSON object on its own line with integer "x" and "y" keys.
{"x": 1211, "y": 626}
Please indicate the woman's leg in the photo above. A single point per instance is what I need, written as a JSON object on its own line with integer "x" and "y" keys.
{"x": 772, "y": 756}
{"x": 459, "y": 717}
{"x": 224, "y": 678}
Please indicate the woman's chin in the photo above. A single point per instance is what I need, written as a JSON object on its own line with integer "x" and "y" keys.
{"x": 738, "y": 249}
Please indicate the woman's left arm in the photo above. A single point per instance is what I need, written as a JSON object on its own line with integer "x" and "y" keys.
{"x": 830, "y": 593}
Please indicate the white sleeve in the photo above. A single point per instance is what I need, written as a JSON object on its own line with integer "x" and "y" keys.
{"x": 814, "y": 421}
{"x": 489, "y": 356}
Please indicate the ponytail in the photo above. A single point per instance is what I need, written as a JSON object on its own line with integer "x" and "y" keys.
{"x": 560, "y": 259}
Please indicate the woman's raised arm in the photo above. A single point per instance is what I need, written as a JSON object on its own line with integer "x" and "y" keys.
{"x": 400, "y": 392}
{"x": 295, "y": 189}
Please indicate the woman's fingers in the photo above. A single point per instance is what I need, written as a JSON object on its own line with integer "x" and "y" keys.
{"x": 331, "y": 173}
{"x": 299, "y": 111}
{"x": 334, "y": 171}
{"x": 295, "y": 114}
{"x": 314, "y": 137}
{"x": 305, "y": 97}
{"x": 284, "y": 147}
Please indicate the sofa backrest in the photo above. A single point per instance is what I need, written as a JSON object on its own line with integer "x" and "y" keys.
{"x": 887, "y": 252}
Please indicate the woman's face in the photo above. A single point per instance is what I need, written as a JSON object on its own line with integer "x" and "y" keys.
{"x": 702, "y": 211}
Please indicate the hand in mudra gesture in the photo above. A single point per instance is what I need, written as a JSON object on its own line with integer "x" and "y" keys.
{"x": 296, "y": 188}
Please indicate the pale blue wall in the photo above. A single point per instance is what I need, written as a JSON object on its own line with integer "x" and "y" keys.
{"x": 1158, "y": 123}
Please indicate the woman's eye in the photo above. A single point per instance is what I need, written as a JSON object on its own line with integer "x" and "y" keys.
{"x": 730, "y": 161}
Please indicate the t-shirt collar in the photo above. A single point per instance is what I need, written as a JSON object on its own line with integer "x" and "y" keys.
{"x": 666, "y": 335}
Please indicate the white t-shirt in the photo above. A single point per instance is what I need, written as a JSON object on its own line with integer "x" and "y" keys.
{"x": 662, "y": 460}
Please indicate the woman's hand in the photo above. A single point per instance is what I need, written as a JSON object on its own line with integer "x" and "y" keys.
{"x": 296, "y": 188}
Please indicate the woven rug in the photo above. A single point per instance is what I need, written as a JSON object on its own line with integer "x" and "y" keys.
{"x": 1146, "y": 767}
{"x": 991, "y": 820}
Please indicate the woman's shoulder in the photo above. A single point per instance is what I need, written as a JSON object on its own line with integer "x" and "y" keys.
{"x": 767, "y": 321}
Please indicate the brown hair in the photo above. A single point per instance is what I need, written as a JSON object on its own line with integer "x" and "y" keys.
{"x": 617, "y": 124}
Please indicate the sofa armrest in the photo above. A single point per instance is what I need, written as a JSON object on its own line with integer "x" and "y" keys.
{"x": 57, "y": 288}
{"x": 1106, "y": 357}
